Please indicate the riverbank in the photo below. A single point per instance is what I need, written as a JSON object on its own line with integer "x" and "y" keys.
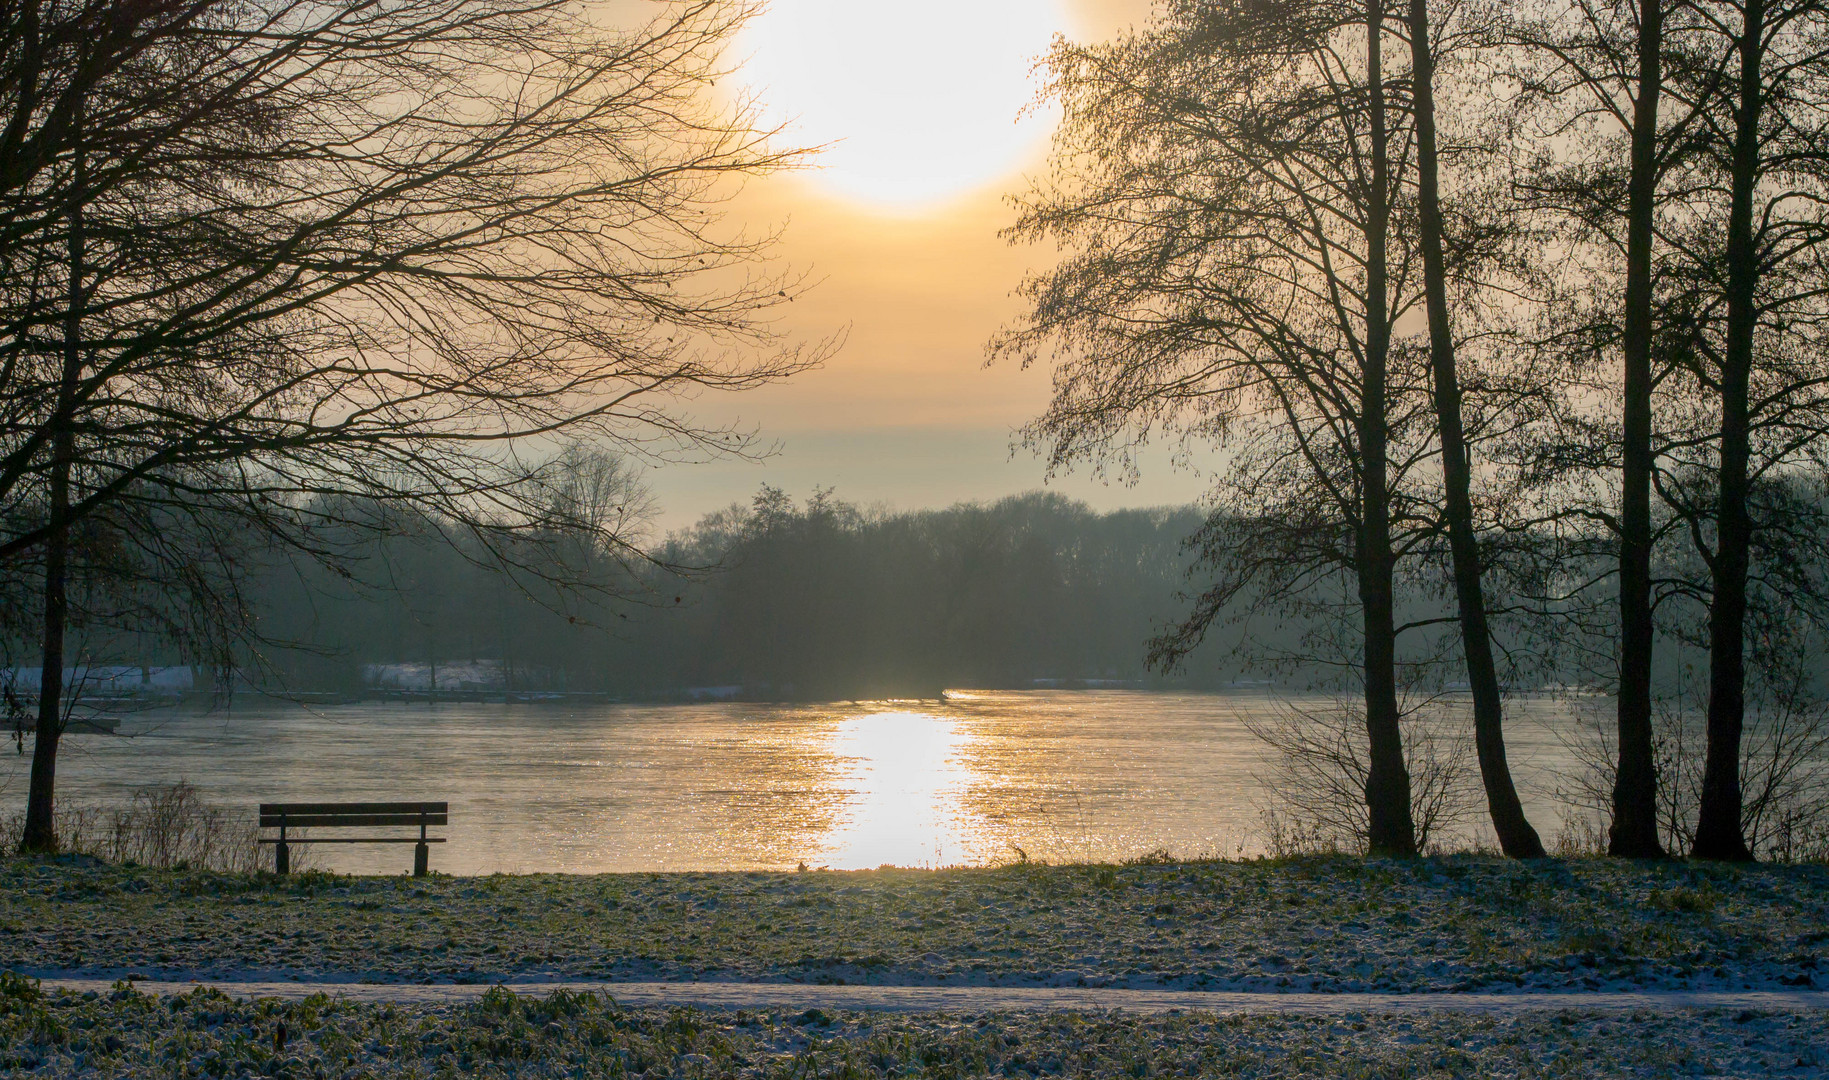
{"x": 208, "y": 1034}
{"x": 1311, "y": 925}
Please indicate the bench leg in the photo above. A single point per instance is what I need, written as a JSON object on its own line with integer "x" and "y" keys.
{"x": 282, "y": 858}
{"x": 420, "y": 856}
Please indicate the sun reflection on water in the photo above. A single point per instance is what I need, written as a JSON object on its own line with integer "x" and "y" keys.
{"x": 906, "y": 791}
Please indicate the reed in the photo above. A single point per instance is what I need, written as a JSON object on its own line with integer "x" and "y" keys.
{"x": 164, "y": 826}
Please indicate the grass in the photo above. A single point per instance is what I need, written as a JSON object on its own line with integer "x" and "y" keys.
{"x": 1338, "y": 923}
{"x": 206, "y": 1034}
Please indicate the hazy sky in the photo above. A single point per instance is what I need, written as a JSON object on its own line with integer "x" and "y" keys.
{"x": 898, "y": 224}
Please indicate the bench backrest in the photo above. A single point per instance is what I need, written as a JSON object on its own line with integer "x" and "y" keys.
{"x": 306, "y": 815}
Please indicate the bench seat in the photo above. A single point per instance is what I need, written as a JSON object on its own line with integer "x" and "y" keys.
{"x": 324, "y": 815}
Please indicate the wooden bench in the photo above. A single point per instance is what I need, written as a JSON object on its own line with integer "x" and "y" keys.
{"x": 349, "y": 815}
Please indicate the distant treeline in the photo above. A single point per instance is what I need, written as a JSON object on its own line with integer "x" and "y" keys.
{"x": 814, "y": 600}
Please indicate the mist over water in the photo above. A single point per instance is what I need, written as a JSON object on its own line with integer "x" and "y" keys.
{"x": 1060, "y": 775}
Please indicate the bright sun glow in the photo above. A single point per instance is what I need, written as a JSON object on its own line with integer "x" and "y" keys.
{"x": 921, "y": 100}
{"x": 905, "y": 787}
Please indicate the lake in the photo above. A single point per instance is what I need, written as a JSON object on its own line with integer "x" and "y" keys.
{"x": 973, "y": 779}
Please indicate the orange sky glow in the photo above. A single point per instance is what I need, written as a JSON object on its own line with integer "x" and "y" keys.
{"x": 898, "y": 226}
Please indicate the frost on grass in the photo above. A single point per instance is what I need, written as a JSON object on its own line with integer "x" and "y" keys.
{"x": 1462, "y": 923}
{"x": 207, "y": 1034}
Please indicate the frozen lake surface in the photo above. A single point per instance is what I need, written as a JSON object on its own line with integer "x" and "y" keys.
{"x": 1062, "y": 775}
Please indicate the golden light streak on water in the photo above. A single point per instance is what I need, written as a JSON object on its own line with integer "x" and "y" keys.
{"x": 906, "y": 780}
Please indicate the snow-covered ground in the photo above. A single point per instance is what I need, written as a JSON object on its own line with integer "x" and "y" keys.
{"x": 126, "y": 1033}
{"x": 797, "y": 997}
{"x": 1322, "y": 925}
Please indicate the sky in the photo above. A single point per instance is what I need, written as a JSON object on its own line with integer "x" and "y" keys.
{"x": 897, "y": 225}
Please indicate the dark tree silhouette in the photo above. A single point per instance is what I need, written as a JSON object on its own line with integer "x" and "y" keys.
{"x": 362, "y": 250}
{"x": 1227, "y": 194}
{"x": 1516, "y": 836}
{"x": 1633, "y": 833}
{"x": 1757, "y": 357}
{"x": 1605, "y": 63}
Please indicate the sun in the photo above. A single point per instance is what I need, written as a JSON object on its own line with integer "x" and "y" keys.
{"x": 921, "y": 102}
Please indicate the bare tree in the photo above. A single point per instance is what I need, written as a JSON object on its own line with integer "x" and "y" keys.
{"x": 1600, "y": 161}
{"x": 1736, "y": 343}
{"x": 1758, "y": 355}
{"x": 1516, "y": 836}
{"x": 1237, "y": 258}
{"x": 1633, "y": 833}
{"x": 373, "y": 250}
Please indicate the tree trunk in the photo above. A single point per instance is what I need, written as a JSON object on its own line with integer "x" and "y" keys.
{"x": 1718, "y": 827}
{"x": 40, "y": 832}
{"x": 1634, "y": 833}
{"x": 1516, "y": 836}
{"x": 1387, "y": 783}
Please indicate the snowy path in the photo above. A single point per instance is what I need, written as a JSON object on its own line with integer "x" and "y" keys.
{"x": 976, "y": 999}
